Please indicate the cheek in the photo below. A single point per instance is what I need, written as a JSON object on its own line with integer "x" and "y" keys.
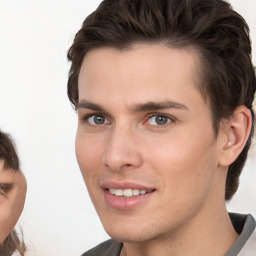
{"x": 89, "y": 157}
{"x": 178, "y": 152}
{"x": 6, "y": 225}
{"x": 11, "y": 206}
{"x": 185, "y": 165}
{"x": 10, "y": 212}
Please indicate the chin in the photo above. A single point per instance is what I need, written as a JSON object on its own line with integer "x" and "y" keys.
{"x": 127, "y": 237}
{"x": 129, "y": 232}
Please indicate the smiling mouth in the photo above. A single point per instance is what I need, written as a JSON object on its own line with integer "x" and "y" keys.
{"x": 129, "y": 192}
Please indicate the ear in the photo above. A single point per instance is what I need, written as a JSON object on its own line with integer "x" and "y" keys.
{"x": 234, "y": 133}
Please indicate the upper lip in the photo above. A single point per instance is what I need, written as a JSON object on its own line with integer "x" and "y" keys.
{"x": 125, "y": 185}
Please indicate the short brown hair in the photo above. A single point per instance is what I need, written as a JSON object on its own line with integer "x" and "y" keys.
{"x": 220, "y": 35}
{"x": 11, "y": 161}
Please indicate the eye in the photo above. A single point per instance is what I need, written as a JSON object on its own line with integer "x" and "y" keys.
{"x": 2, "y": 192}
{"x": 4, "y": 188}
{"x": 97, "y": 120}
{"x": 159, "y": 120}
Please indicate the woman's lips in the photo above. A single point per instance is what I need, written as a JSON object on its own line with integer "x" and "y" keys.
{"x": 126, "y": 195}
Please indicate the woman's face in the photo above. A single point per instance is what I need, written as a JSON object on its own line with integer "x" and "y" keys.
{"x": 13, "y": 189}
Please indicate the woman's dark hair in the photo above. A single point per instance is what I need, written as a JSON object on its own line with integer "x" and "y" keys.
{"x": 11, "y": 161}
{"x": 12, "y": 244}
{"x": 218, "y": 33}
{"x": 8, "y": 153}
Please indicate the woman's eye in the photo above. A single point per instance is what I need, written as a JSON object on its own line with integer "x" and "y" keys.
{"x": 2, "y": 192}
{"x": 4, "y": 189}
{"x": 159, "y": 120}
{"x": 97, "y": 120}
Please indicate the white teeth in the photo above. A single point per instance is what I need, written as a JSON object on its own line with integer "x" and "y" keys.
{"x": 143, "y": 192}
{"x": 112, "y": 191}
{"x": 126, "y": 192}
{"x": 119, "y": 192}
{"x": 135, "y": 192}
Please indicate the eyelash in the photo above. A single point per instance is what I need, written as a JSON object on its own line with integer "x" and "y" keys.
{"x": 157, "y": 126}
{"x": 4, "y": 188}
{"x": 148, "y": 117}
{"x": 86, "y": 118}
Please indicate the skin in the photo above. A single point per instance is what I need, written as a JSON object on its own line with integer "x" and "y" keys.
{"x": 183, "y": 160}
{"x": 12, "y": 198}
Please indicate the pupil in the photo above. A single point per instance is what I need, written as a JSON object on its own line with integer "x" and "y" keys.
{"x": 161, "y": 120}
{"x": 99, "y": 120}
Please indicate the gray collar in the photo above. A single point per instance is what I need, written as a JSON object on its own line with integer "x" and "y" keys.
{"x": 244, "y": 225}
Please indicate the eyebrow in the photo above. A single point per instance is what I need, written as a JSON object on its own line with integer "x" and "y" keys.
{"x": 151, "y": 106}
{"x": 89, "y": 105}
{"x": 141, "y": 107}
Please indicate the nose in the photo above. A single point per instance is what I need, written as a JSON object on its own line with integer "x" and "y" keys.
{"x": 122, "y": 150}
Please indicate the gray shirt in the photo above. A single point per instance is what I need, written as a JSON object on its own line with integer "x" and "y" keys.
{"x": 245, "y": 245}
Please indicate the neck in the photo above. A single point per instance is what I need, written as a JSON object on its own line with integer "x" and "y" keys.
{"x": 212, "y": 235}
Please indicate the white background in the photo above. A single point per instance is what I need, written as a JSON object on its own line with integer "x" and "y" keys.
{"x": 58, "y": 218}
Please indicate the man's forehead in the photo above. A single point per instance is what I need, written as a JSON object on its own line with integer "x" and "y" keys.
{"x": 141, "y": 50}
{"x": 109, "y": 63}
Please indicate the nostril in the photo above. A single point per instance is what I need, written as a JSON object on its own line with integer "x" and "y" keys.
{"x": 117, "y": 159}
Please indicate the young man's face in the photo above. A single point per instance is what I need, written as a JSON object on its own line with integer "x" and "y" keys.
{"x": 13, "y": 189}
{"x": 145, "y": 128}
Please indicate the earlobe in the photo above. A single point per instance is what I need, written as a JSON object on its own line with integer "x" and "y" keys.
{"x": 237, "y": 130}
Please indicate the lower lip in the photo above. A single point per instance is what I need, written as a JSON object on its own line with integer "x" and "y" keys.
{"x": 126, "y": 203}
